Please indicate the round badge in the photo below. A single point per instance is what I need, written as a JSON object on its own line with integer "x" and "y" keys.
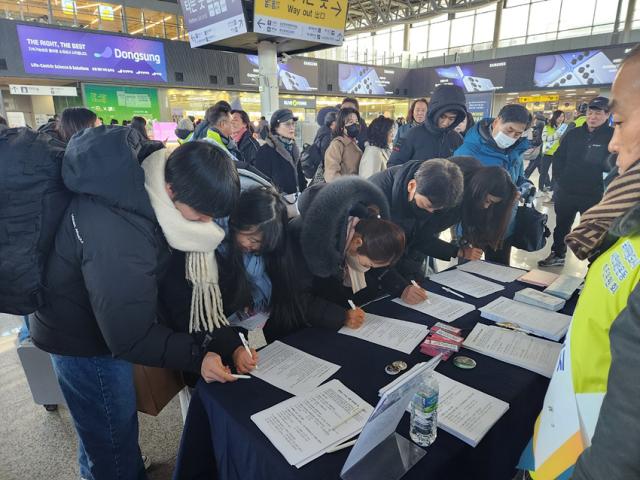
{"x": 400, "y": 365}
{"x": 392, "y": 370}
{"x": 463, "y": 362}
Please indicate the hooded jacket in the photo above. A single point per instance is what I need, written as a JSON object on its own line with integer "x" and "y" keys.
{"x": 283, "y": 168}
{"x": 427, "y": 141}
{"x": 112, "y": 284}
{"x": 420, "y": 227}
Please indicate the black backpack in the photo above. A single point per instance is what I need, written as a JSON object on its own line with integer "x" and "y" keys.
{"x": 33, "y": 199}
{"x": 310, "y": 158}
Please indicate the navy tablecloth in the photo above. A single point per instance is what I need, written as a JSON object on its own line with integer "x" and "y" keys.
{"x": 221, "y": 441}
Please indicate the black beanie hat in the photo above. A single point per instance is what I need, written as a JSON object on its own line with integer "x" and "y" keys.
{"x": 447, "y": 98}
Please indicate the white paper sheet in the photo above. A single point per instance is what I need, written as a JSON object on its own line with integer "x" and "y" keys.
{"x": 466, "y": 413}
{"x": 389, "y": 332}
{"x": 516, "y": 348}
{"x": 500, "y": 273}
{"x": 292, "y": 370}
{"x": 303, "y": 428}
{"x": 466, "y": 283}
{"x": 544, "y": 323}
{"x": 441, "y": 307}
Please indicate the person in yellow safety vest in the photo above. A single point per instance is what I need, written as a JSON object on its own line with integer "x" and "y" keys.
{"x": 589, "y": 427}
{"x": 219, "y": 131}
{"x": 184, "y": 130}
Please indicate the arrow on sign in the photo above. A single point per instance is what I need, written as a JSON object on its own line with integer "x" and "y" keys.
{"x": 337, "y": 10}
{"x": 261, "y": 23}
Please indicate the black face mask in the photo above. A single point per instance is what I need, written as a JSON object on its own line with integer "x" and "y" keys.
{"x": 417, "y": 212}
{"x": 353, "y": 130}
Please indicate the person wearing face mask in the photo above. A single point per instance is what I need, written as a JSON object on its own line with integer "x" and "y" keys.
{"x": 343, "y": 155}
{"x": 363, "y": 136}
{"x": 595, "y": 385}
{"x": 500, "y": 142}
{"x": 578, "y": 166}
{"x": 436, "y": 138}
{"x": 343, "y": 240}
{"x": 416, "y": 117}
{"x": 376, "y": 155}
{"x": 279, "y": 157}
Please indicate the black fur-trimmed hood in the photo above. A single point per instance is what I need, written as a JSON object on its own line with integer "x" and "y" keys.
{"x": 325, "y": 216}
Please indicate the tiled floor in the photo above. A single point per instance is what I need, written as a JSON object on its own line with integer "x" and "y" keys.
{"x": 39, "y": 445}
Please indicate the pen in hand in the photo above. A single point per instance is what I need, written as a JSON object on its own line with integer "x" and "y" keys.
{"x": 246, "y": 345}
{"x": 415, "y": 284}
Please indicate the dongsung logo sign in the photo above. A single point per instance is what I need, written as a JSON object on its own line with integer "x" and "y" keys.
{"x": 46, "y": 51}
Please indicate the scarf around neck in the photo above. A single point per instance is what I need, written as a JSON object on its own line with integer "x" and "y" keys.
{"x": 623, "y": 194}
{"x": 198, "y": 240}
{"x": 238, "y": 136}
{"x": 354, "y": 272}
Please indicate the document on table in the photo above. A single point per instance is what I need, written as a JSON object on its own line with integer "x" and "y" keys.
{"x": 541, "y": 322}
{"x": 291, "y": 369}
{"x": 388, "y": 332}
{"x": 466, "y": 283}
{"x": 441, "y": 307}
{"x": 499, "y": 273}
{"x": 516, "y": 348}
{"x": 466, "y": 413}
{"x": 303, "y": 428}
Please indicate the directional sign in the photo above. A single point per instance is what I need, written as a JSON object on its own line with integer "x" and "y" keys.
{"x": 321, "y": 21}
{"x": 539, "y": 99}
{"x": 54, "y": 91}
{"x": 210, "y": 21}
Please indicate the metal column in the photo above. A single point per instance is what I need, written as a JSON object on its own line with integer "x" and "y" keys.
{"x": 268, "y": 72}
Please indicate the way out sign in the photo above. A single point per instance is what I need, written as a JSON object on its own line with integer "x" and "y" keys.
{"x": 320, "y": 21}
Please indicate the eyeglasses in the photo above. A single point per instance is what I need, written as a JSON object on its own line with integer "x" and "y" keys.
{"x": 289, "y": 124}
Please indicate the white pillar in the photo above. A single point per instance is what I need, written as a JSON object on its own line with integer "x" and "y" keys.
{"x": 268, "y": 69}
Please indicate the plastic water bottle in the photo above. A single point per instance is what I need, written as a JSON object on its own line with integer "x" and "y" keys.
{"x": 424, "y": 413}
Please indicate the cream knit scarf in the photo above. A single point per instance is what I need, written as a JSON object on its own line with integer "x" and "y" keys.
{"x": 197, "y": 239}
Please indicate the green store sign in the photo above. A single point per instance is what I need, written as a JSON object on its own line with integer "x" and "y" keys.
{"x": 122, "y": 103}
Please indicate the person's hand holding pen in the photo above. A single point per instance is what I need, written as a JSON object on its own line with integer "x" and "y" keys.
{"x": 414, "y": 294}
{"x": 355, "y": 316}
{"x": 244, "y": 358}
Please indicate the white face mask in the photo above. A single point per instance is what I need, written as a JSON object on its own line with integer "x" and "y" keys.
{"x": 503, "y": 140}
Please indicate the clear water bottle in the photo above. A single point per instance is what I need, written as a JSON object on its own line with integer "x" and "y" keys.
{"x": 424, "y": 413}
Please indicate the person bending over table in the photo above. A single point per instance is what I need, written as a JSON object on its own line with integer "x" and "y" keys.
{"x": 339, "y": 237}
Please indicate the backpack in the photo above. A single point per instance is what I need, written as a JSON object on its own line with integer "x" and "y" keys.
{"x": 310, "y": 158}
{"x": 33, "y": 201}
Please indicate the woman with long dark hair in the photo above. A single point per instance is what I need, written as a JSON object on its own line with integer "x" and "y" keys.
{"x": 139, "y": 124}
{"x": 73, "y": 120}
{"x": 376, "y": 154}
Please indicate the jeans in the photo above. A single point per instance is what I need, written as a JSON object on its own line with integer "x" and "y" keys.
{"x": 102, "y": 400}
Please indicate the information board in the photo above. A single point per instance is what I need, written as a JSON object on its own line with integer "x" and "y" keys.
{"x": 210, "y": 21}
{"x": 321, "y": 21}
{"x": 122, "y": 103}
{"x": 66, "y": 53}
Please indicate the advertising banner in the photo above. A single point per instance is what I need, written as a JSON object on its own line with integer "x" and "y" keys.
{"x": 297, "y": 75}
{"x": 210, "y": 21}
{"x": 122, "y": 103}
{"x": 473, "y": 77}
{"x": 47, "y": 51}
{"x": 367, "y": 80}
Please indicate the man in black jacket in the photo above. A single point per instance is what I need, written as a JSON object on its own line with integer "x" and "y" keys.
{"x": 436, "y": 138}
{"x": 578, "y": 165}
{"x": 425, "y": 200}
{"x": 116, "y": 291}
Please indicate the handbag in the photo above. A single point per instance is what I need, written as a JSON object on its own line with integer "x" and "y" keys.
{"x": 531, "y": 231}
{"x": 155, "y": 388}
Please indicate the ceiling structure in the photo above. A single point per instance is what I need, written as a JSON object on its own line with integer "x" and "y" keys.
{"x": 368, "y": 15}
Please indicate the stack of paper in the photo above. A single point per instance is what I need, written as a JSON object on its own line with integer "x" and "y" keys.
{"x": 539, "y": 299}
{"x": 305, "y": 427}
{"x": 292, "y": 370}
{"x": 388, "y": 332}
{"x": 541, "y": 322}
{"x": 539, "y": 278}
{"x": 564, "y": 286}
{"x": 443, "y": 308}
{"x": 466, "y": 413}
{"x": 516, "y": 348}
{"x": 499, "y": 273}
{"x": 466, "y": 283}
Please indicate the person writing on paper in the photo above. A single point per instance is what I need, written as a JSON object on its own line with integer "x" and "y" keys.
{"x": 341, "y": 245}
{"x": 598, "y": 386}
{"x": 258, "y": 269}
{"x": 117, "y": 290}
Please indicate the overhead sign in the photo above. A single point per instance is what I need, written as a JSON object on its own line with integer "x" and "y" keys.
{"x": 43, "y": 90}
{"x": 321, "y": 21}
{"x": 67, "y": 53}
{"x": 539, "y": 99}
{"x": 210, "y": 21}
{"x": 299, "y": 102}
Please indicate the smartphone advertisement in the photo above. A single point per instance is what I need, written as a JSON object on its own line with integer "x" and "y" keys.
{"x": 578, "y": 68}
{"x": 367, "y": 80}
{"x": 473, "y": 77}
{"x": 296, "y": 75}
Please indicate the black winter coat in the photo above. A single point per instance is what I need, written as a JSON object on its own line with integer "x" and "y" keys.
{"x": 580, "y": 161}
{"x": 112, "y": 284}
{"x": 248, "y": 147}
{"x": 284, "y": 170}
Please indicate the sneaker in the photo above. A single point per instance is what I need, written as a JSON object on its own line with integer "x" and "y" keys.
{"x": 552, "y": 260}
{"x": 147, "y": 462}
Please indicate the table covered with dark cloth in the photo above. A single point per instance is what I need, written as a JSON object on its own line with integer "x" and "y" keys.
{"x": 221, "y": 441}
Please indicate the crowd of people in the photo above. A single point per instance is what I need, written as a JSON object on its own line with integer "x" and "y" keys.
{"x": 160, "y": 258}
